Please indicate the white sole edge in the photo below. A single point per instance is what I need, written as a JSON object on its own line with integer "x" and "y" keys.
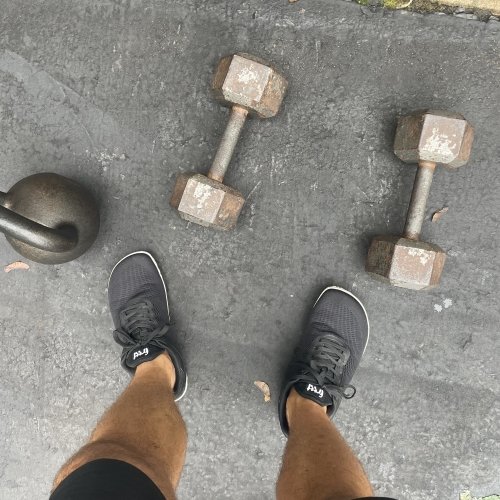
{"x": 340, "y": 289}
{"x": 166, "y": 297}
{"x": 183, "y": 392}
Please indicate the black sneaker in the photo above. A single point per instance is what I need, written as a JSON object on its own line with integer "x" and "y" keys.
{"x": 328, "y": 353}
{"x": 139, "y": 306}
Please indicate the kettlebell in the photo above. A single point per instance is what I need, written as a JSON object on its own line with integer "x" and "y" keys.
{"x": 49, "y": 218}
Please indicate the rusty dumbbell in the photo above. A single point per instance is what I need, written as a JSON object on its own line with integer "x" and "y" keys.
{"x": 249, "y": 86}
{"x": 428, "y": 138}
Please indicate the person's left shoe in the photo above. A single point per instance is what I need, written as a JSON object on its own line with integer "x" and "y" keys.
{"x": 139, "y": 306}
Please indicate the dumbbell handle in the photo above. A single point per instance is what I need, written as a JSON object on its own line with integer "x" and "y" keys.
{"x": 416, "y": 210}
{"x": 228, "y": 143}
{"x": 33, "y": 233}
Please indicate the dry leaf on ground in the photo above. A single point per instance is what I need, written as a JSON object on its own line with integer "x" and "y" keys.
{"x": 439, "y": 213}
{"x": 265, "y": 390}
{"x": 16, "y": 265}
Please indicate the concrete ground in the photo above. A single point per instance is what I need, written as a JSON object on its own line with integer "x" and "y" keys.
{"x": 116, "y": 95}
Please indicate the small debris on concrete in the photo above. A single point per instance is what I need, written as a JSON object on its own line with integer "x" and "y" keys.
{"x": 436, "y": 216}
{"x": 16, "y": 265}
{"x": 292, "y": 1}
{"x": 264, "y": 389}
{"x": 447, "y": 303}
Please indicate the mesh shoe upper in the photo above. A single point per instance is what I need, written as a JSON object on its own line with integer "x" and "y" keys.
{"x": 139, "y": 308}
{"x": 328, "y": 353}
{"x": 137, "y": 276}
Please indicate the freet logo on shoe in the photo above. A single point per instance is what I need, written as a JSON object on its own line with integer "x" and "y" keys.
{"x": 138, "y": 354}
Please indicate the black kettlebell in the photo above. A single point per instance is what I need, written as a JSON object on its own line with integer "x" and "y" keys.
{"x": 49, "y": 218}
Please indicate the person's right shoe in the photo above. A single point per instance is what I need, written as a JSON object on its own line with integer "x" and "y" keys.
{"x": 139, "y": 306}
{"x": 328, "y": 352}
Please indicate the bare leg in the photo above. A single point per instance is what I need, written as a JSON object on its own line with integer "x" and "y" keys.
{"x": 143, "y": 428}
{"x": 318, "y": 463}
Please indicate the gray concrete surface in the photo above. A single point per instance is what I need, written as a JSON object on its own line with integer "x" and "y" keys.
{"x": 116, "y": 95}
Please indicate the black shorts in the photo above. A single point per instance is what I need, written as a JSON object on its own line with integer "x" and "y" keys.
{"x": 107, "y": 479}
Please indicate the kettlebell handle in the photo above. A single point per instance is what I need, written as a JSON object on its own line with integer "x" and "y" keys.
{"x": 35, "y": 234}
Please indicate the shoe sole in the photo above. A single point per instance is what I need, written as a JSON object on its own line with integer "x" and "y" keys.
{"x": 356, "y": 299}
{"x": 164, "y": 288}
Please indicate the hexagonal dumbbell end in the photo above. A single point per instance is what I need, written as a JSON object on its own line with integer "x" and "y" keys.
{"x": 434, "y": 136}
{"x": 405, "y": 263}
{"x": 247, "y": 81}
{"x": 206, "y": 202}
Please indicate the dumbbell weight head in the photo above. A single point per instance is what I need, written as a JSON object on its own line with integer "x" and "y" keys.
{"x": 427, "y": 138}
{"x": 405, "y": 263}
{"x": 434, "y": 136}
{"x": 251, "y": 83}
{"x": 207, "y": 202}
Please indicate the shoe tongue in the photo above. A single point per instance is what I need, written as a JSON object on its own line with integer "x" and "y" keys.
{"x": 314, "y": 392}
{"x": 141, "y": 354}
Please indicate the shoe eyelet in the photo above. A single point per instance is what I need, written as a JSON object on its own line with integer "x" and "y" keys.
{"x": 349, "y": 392}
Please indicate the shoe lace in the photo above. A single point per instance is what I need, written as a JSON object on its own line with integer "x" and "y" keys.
{"x": 139, "y": 326}
{"x": 328, "y": 359}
